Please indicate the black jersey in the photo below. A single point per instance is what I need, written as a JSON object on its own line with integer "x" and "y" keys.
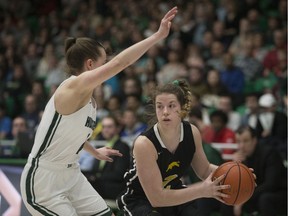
{"x": 172, "y": 165}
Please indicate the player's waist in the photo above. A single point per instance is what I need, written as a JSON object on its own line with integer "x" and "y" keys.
{"x": 51, "y": 164}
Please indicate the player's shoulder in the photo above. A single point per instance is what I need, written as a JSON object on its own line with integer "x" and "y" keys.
{"x": 189, "y": 125}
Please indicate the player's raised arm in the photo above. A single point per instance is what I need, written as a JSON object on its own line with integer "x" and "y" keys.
{"x": 95, "y": 72}
{"x": 129, "y": 55}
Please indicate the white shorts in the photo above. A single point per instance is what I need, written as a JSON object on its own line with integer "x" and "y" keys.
{"x": 62, "y": 190}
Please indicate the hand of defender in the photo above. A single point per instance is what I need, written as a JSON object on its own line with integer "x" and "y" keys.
{"x": 165, "y": 25}
{"x": 104, "y": 153}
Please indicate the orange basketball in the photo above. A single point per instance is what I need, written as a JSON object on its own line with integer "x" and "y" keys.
{"x": 241, "y": 180}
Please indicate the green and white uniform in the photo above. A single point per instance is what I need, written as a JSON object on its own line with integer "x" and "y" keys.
{"x": 52, "y": 182}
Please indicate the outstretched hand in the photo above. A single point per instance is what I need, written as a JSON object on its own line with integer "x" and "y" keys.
{"x": 165, "y": 25}
{"x": 104, "y": 153}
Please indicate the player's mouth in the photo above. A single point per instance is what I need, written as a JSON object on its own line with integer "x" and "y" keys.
{"x": 166, "y": 120}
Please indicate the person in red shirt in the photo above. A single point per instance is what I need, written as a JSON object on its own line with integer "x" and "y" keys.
{"x": 218, "y": 132}
{"x": 275, "y": 58}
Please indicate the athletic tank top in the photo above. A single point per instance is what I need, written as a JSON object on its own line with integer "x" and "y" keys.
{"x": 59, "y": 138}
{"x": 172, "y": 165}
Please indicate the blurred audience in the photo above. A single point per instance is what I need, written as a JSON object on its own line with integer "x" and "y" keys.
{"x": 132, "y": 126}
{"x": 236, "y": 48}
{"x": 218, "y": 132}
{"x": 270, "y": 195}
{"x": 272, "y": 124}
{"x": 5, "y": 123}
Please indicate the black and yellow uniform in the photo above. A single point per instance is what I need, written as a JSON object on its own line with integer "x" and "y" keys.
{"x": 173, "y": 166}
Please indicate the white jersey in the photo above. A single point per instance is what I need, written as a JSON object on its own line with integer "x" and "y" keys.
{"x": 59, "y": 138}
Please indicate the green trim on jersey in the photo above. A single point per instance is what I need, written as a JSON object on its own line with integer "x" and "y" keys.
{"x": 34, "y": 165}
{"x": 105, "y": 212}
{"x": 50, "y": 133}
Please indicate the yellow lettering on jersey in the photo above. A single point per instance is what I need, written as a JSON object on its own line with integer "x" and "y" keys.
{"x": 173, "y": 164}
{"x": 168, "y": 179}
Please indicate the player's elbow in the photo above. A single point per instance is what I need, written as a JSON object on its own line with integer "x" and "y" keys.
{"x": 156, "y": 200}
{"x": 117, "y": 64}
{"x": 155, "y": 203}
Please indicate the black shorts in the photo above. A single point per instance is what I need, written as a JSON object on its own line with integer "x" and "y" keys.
{"x": 142, "y": 207}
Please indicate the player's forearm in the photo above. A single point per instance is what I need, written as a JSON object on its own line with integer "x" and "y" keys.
{"x": 121, "y": 61}
{"x": 207, "y": 171}
{"x": 170, "y": 197}
{"x": 134, "y": 52}
{"x": 89, "y": 148}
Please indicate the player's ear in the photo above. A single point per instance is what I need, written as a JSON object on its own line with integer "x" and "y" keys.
{"x": 88, "y": 64}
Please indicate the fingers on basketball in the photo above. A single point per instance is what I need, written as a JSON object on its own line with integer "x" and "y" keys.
{"x": 241, "y": 181}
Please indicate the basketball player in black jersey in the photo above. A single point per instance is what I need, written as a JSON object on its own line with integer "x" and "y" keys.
{"x": 163, "y": 154}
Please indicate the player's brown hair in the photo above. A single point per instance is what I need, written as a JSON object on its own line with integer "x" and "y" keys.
{"x": 77, "y": 50}
{"x": 182, "y": 91}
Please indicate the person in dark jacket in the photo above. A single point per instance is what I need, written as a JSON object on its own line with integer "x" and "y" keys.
{"x": 270, "y": 195}
{"x": 107, "y": 178}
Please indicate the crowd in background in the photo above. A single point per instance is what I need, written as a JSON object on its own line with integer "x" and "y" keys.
{"x": 231, "y": 52}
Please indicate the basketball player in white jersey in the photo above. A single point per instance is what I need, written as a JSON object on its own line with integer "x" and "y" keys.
{"x": 52, "y": 183}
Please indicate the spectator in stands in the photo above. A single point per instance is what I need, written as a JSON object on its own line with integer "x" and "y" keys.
{"x": 173, "y": 69}
{"x": 218, "y": 132}
{"x": 43, "y": 66}
{"x": 259, "y": 48}
{"x": 271, "y": 60}
{"x": 107, "y": 178}
{"x": 40, "y": 94}
{"x": 217, "y": 52}
{"x": 243, "y": 35}
{"x": 19, "y": 125}
{"x": 196, "y": 79}
{"x": 208, "y": 39}
{"x": 218, "y": 30}
{"x": 149, "y": 64}
{"x": 272, "y": 124}
{"x": 114, "y": 103}
{"x": 132, "y": 126}
{"x": 17, "y": 86}
{"x": 134, "y": 102}
{"x": 100, "y": 97}
{"x": 131, "y": 85}
{"x": 251, "y": 109}
{"x": 31, "y": 59}
{"x": 270, "y": 195}
{"x": 19, "y": 133}
{"x": 231, "y": 21}
{"x": 225, "y": 104}
{"x": 148, "y": 89}
{"x": 55, "y": 72}
{"x": 233, "y": 78}
{"x": 215, "y": 88}
{"x": 31, "y": 112}
{"x": 5, "y": 123}
{"x": 246, "y": 61}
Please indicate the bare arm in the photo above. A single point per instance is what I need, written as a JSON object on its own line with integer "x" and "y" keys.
{"x": 75, "y": 94}
{"x": 202, "y": 167}
{"x": 147, "y": 167}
